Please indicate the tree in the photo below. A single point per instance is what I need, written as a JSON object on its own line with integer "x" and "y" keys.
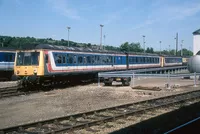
{"x": 135, "y": 47}
{"x": 124, "y": 47}
{"x": 89, "y": 45}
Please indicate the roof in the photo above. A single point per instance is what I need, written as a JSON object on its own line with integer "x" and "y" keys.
{"x": 81, "y": 49}
{"x": 197, "y": 32}
{"x": 7, "y": 49}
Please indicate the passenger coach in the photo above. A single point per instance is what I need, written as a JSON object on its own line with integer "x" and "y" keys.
{"x": 7, "y": 57}
{"x": 59, "y": 63}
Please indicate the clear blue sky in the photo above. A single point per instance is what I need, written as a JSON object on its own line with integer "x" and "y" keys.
{"x": 124, "y": 20}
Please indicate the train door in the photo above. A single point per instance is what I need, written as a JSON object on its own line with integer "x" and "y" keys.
{"x": 47, "y": 65}
{"x": 118, "y": 62}
{"x": 9, "y": 59}
{"x": 113, "y": 62}
{"x": 162, "y": 61}
{"x": 7, "y": 65}
{"x": 127, "y": 61}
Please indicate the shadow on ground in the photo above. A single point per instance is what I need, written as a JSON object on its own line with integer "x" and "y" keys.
{"x": 165, "y": 122}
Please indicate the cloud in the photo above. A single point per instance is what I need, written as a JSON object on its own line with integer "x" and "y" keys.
{"x": 62, "y": 7}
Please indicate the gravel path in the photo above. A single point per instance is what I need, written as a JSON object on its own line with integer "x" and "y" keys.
{"x": 56, "y": 103}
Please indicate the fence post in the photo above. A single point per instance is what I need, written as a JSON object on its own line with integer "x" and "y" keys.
{"x": 168, "y": 80}
{"x": 98, "y": 80}
{"x": 195, "y": 77}
{"x": 132, "y": 84}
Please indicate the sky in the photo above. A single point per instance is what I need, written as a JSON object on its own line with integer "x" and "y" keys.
{"x": 123, "y": 20}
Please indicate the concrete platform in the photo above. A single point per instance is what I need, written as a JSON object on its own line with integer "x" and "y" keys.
{"x": 45, "y": 105}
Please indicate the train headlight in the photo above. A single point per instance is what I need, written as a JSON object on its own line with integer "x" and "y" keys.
{"x": 35, "y": 71}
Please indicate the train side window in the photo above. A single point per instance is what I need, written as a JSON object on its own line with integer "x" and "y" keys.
{"x": 96, "y": 59}
{"x": 63, "y": 59}
{"x": 80, "y": 59}
{"x": 74, "y": 59}
{"x": 6, "y": 57}
{"x": 148, "y": 59}
{"x": 111, "y": 59}
{"x": 46, "y": 58}
{"x": 93, "y": 59}
{"x": 134, "y": 59}
{"x": 84, "y": 60}
{"x": 143, "y": 59}
{"x": 139, "y": 60}
{"x": 129, "y": 60}
{"x": 89, "y": 59}
{"x": 10, "y": 57}
{"x": 59, "y": 59}
{"x": 107, "y": 60}
{"x": 70, "y": 58}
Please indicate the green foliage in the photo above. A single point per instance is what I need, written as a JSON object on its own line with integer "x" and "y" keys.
{"x": 19, "y": 42}
{"x": 132, "y": 47}
{"x": 149, "y": 50}
{"x": 185, "y": 52}
{"x": 125, "y": 47}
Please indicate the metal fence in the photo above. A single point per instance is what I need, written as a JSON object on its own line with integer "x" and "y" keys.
{"x": 168, "y": 76}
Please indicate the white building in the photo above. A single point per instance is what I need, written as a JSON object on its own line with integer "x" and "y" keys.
{"x": 196, "y": 41}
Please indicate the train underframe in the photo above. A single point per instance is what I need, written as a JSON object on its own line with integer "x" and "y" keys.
{"x": 52, "y": 80}
{"x": 125, "y": 80}
{"x": 6, "y": 75}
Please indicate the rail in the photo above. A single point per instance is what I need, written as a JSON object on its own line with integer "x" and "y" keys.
{"x": 91, "y": 118}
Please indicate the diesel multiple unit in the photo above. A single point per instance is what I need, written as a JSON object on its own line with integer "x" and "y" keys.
{"x": 48, "y": 63}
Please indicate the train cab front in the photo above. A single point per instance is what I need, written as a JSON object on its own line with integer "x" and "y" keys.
{"x": 28, "y": 66}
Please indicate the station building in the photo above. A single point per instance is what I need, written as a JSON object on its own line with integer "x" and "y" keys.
{"x": 196, "y": 41}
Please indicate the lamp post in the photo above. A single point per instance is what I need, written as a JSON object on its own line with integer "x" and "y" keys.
{"x": 68, "y": 34}
{"x": 176, "y": 38}
{"x": 144, "y": 42}
{"x": 175, "y": 47}
{"x": 160, "y": 46}
{"x": 101, "y": 36}
{"x": 104, "y": 40}
{"x": 182, "y": 47}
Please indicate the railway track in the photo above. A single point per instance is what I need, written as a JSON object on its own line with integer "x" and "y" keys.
{"x": 10, "y": 91}
{"x": 92, "y": 118}
{"x": 19, "y": 90}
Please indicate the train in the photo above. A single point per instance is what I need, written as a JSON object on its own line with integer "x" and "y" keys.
{"x": 46, "y": 64}
{"x": 194, "y": 63}
{"x": 7, "y": 58}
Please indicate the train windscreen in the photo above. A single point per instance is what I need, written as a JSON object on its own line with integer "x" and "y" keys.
{"x": 27, "y": 58}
